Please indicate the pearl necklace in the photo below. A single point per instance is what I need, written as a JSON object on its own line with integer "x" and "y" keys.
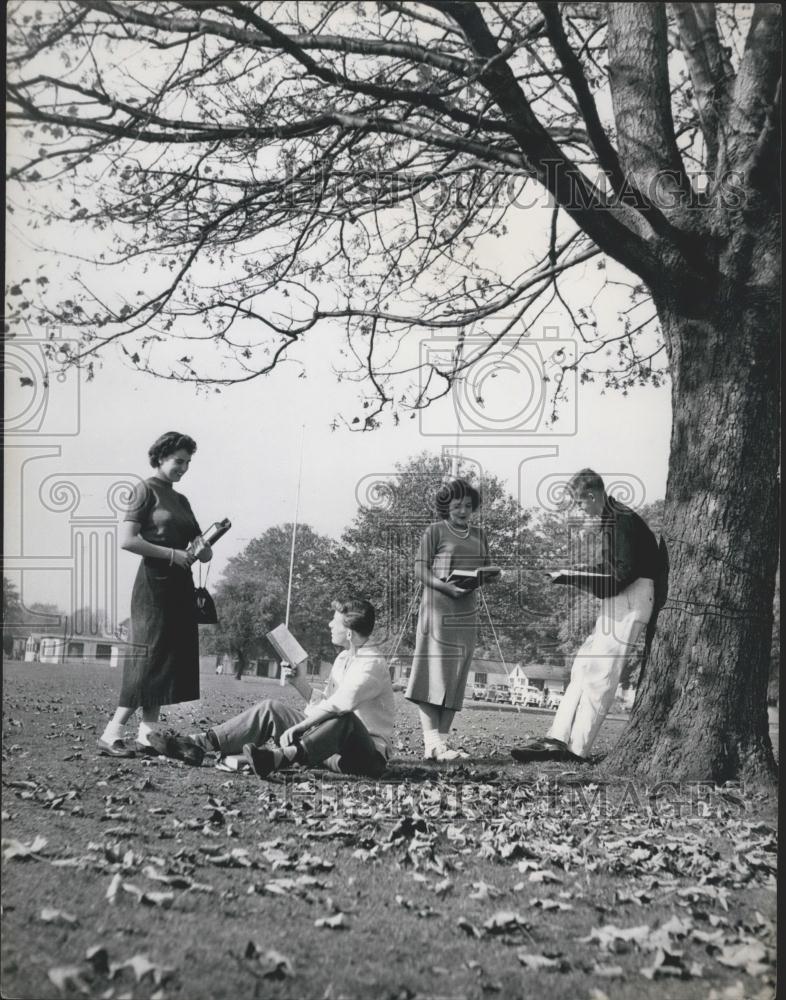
{"x": 458, "y": 534}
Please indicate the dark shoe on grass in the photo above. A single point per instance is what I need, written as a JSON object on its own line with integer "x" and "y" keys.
{"x": 178, "y": 747}
{"x": 263, "y": 762}
{"x": 117, "y": 748}
{"x": 534, "y": 751}
{"x": 145, "y": 750}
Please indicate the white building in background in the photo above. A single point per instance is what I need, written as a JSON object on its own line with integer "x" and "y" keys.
{"x": 49, "y": 648}
{"x": 544, "y": 675}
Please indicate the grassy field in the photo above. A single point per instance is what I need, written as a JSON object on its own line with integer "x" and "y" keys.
{"x": 475, "y": 880}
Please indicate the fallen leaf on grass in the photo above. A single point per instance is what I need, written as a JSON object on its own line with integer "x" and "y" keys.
{"x": 338, "y": 922}
{"x": 538, "y": 962}
{"x": 485, "y": 891}
{"x": 607, "y": 971}
{"x": 114, "y": 885}
{"x": 749, "y": 955}
{"x": 609, "y": 936}
{"x": 738, "y": 991}
{"x": 68, "y": 978}
{"x": 50, "y": 916}
{"x": 550, "y": 904}
{"x": 444, "y": 887}
{"x": 671, "y": 963}
{"x": 469, "y": 928}
{"x": 298, "y": 886}
{"x": 163, "y": 899}
{"x": 98, "y": 957}
{"x": 16, "y": 849}
{"x": 505, "y": 921}
{"x": 174, "y": 881}
{"x": 543, "y": 875}
{"x": 142, "y": 966}
{"x": 425, "y": 911}
{"x": 273, "y": 964}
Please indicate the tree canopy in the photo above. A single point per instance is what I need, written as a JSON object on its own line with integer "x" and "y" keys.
{"x": 266, "y": 168}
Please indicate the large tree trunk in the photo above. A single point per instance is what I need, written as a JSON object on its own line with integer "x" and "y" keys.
{"x": 701, "y": 708}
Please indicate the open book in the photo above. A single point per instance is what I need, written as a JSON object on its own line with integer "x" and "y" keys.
{"x": 470, "y": 579}
{"x": 594, "y": 583}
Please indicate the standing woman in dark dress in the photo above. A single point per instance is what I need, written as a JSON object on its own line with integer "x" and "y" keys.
{"x": 448, "y": 617}
{"x": 163, "y": 666}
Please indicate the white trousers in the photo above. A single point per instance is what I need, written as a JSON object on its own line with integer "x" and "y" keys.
{"x": 598, "y": 665}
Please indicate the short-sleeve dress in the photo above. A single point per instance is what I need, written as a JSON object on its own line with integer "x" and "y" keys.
{"x": 163, "y": 668}
{"x": 447, "y": 627}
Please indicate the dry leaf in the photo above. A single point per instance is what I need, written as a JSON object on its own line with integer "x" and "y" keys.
{"x": 142, "y": 966}
{"x": 538, "y": 961}
{"x": 50, "y": 916}
{"x": 68, "y": 978}
{"x": 338, "y": 922}
{"x": 114, "y": 885}
{"x": 275, "y": 965}
{"x": 16, "y": 849}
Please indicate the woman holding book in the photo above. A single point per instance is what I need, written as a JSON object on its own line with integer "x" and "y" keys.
{"x": 163, "y": 667}
{"x": 448, "y": 617}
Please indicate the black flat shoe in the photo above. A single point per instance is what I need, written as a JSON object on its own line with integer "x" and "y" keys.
{"x": 117, "y": 748}
{"x": 534, "y": 751}
{"x": 143, "y": 750}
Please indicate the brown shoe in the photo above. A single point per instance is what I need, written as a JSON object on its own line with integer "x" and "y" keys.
{"x": 117, "y": 748}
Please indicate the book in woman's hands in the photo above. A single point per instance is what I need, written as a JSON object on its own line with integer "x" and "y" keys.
{"x": 470, "y": 579}
{"x": 216, "y": 530}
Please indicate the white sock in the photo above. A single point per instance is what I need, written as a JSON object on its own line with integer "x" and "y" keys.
{"x": 431, "y": 742}
{"x": 145, "y": 728}
{"x": 114, "y": 731}
{"x": 332, "y": 763}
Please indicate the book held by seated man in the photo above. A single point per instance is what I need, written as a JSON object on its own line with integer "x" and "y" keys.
{"x": 287, "y": 648}
{"x": 471, "y": 579}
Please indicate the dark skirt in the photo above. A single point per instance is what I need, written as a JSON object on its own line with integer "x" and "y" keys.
{"x": 162, "y": 667}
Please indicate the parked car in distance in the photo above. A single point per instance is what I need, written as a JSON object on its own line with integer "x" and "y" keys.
{"x": 534, "y": 699}
{"x": 502, "y": 694}
{"x": 479, "y": 692}
{"x": 554, "y": 699}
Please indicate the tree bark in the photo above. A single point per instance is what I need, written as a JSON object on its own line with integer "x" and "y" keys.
{"x": 701, "y": 706}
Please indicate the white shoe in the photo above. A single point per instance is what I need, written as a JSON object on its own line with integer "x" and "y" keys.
{"x": 443, "y": 753}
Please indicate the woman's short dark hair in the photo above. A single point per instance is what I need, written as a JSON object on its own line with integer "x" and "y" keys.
{"x": 454, "y": 489}
{"x": 168, "y": 444}
{"x": 358, "y": 615}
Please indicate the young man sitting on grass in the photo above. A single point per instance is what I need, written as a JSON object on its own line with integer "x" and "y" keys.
{"x": 347, "y": 730}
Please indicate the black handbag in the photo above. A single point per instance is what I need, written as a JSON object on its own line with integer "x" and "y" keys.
{"x": 204, "y": 604}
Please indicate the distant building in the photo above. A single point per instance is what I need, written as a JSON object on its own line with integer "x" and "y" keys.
{"x": 50, "y": 648}
{"x": 543, "y": 675}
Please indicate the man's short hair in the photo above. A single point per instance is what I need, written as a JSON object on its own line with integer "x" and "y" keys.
{"x": 358, "y": 615}
{"x": 586, "y": 479}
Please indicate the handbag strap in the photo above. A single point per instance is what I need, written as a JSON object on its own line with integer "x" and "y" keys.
{"x": 207, "y": 574}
